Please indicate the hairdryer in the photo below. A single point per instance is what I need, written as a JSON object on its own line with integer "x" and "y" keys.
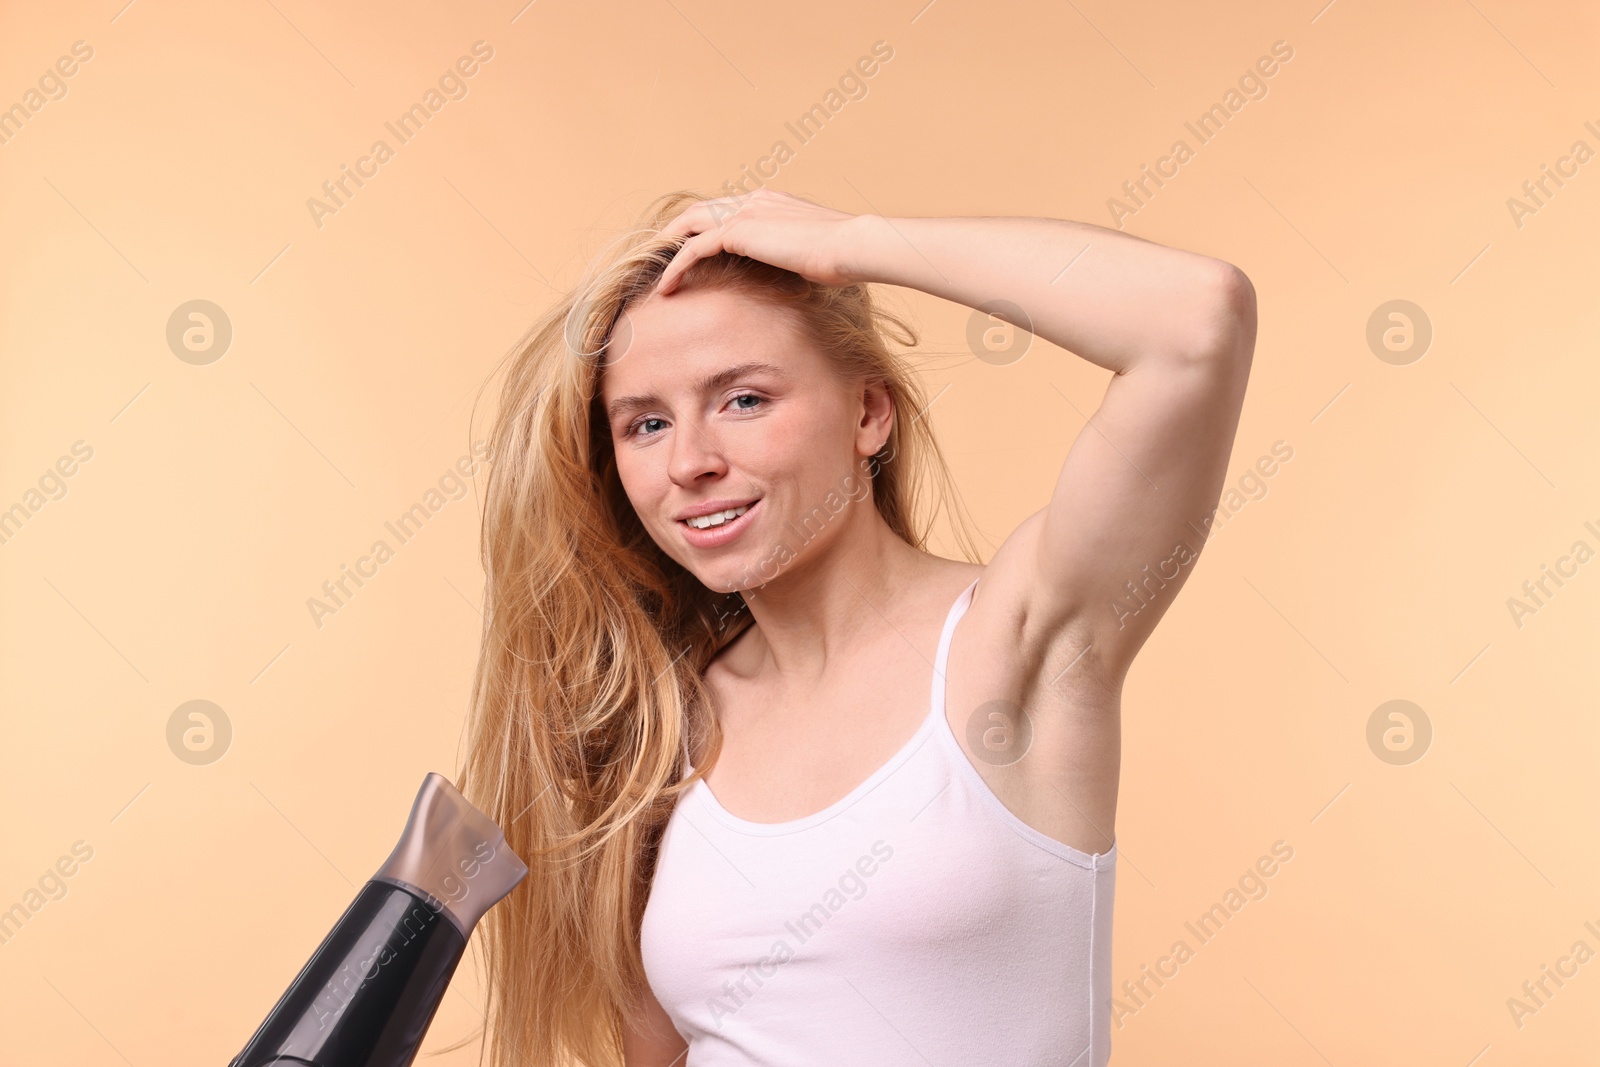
{"x": 369, "y": 992}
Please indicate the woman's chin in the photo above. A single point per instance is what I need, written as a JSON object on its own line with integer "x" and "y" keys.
{"x": 725, "y": 580}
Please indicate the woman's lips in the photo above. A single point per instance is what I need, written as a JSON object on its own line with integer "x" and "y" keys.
{"x": 717, "y": 536}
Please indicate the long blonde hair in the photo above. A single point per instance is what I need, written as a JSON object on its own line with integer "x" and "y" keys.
{"x": 588, "y": 691}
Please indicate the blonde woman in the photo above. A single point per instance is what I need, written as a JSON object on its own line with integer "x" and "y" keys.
{"x": 793, "y": 789}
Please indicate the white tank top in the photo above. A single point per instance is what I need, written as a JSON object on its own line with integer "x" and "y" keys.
{"x": 915, "y": 921}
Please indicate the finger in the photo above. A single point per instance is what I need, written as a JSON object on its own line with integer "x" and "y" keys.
{"x": 695, "y": 248}
{"x": 686, "y": 256}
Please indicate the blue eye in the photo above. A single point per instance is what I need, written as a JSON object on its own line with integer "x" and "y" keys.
{"x": 637, "y": 428}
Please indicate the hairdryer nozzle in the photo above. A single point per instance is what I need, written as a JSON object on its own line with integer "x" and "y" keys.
{"x": 367, "y": 995}
{"x": 453, "y": 854}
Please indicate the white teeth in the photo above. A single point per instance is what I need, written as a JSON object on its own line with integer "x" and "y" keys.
{"x": 716, "y": 518}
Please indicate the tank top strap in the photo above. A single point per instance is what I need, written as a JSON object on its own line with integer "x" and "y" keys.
{"x": 941, "y": 660}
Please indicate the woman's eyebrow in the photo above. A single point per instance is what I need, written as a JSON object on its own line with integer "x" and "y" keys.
{"x": 721, "y": 378}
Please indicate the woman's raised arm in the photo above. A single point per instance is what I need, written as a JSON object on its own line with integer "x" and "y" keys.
{"x": 1094, "y": 570}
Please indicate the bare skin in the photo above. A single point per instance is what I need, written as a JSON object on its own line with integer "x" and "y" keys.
{"x": 835, "y": 675}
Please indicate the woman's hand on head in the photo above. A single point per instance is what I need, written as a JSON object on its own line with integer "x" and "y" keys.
{"x": 778, "y": 228}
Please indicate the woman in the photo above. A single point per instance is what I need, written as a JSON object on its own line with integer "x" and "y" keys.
{"x": 780, "y": 807}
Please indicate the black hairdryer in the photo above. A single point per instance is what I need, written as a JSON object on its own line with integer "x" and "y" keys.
{"x": 369, "y": 992}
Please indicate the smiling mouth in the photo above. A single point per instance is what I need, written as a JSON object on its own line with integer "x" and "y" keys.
{"x": 716, "y": 518}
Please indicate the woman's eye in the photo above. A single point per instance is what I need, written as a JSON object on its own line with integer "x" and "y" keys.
{"x": 642, "y": 427}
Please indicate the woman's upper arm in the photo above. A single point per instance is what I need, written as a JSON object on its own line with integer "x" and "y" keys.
{"x": 650, "y": 1039}
{"x": 1129, "y": 513}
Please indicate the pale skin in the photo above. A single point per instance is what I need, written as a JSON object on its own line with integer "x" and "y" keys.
{"x": 834, "y": 677}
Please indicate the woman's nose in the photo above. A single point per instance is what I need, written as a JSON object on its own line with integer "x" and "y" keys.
{"x": 695, "y": 452}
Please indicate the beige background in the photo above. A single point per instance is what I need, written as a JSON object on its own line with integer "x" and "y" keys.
{"x": 219, "y": 497}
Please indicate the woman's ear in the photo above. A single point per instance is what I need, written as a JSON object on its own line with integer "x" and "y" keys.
{"x": 877, "y": 418}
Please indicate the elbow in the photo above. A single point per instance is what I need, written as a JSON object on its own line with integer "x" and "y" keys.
{"x": 1208, "y": 319}
{"x": 1228, "y": 327}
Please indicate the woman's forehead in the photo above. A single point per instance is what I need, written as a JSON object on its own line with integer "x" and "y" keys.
{"x": 699, "y": 313}
{"x": 690, "y": 330}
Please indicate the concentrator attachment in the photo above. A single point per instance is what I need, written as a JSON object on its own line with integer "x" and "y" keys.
{"x": 369, "y": 992}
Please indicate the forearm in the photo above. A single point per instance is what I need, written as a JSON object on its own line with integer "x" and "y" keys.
{"x": 1109, "y": 297}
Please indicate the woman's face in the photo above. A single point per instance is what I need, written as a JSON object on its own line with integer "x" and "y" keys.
{"x": 716, "y": 401}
